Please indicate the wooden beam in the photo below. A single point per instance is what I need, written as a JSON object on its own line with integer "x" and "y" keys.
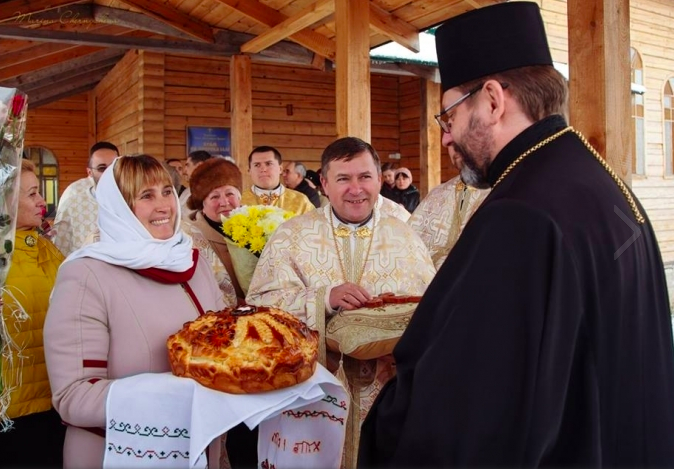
{"x": 241, "y": 89}
{"x": 473, "y": 3}
{"x": 319, "y": 63}
{"x": 391, "y": 26}
{"x": 91, "y": 14}
{"x": 305, "y": 18}
{"x": 121, "y": 42}
{"x": 77, "y": 14}
{"x": 268, "y": 16}
{"x": 133, "y": 20}
{"x": 16, "y": 70}
{"x": 423, "y": 71}
{"x": 430, "y": 147}
{"x": 285, "y": 52}
{"x": 63, "y": 68}
{"x": 161, "y": 11}
{"x": 599, "y": 72}
{"x": 426, "y": 72}
{"x": 92, "y": 130}
{"x": 57, "y": 97}
{"x": 21, "y": 10}
{"x": 68, "y": 88}
{"x": 353, "y": 73}
{"x": 56, "y": 79}
{"x": 227, "y": 44}
{"x": 33, "y": 53}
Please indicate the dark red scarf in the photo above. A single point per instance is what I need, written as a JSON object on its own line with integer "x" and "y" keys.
{"x": 171, "y": 278}
{"x": 167, "y": 277}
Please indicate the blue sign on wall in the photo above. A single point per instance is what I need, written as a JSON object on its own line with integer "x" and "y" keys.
{"x": 215, "y": 140}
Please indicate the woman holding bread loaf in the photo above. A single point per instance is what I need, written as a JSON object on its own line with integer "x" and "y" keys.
{"x": 116, "y": 301}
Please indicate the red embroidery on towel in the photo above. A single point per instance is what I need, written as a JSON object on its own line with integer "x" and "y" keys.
{"x": 278, "y": 441}
{"x": 302, "y": 447}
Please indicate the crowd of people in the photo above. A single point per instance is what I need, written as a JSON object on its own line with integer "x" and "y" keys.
{"x": 538, "y": 340}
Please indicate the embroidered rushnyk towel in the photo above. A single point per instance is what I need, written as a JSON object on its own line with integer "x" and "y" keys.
{"x": 163, "y": 421}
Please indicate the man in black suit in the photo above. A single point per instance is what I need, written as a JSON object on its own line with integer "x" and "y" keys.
{"x": 294, "y": 177}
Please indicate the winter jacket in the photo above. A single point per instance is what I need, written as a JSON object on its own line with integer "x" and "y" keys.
{"x": 32, "y": 274}
{"x": 107, "y": 322}
{"x": 409, "y": 198}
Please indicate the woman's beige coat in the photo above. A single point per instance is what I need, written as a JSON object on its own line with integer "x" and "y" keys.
{"x": 107, "y": 322}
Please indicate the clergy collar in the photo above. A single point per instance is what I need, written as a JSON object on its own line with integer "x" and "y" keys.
{"x": 278, "y": 190}
{"x": 522, "y": 142}
{"x": 354, "y": 225}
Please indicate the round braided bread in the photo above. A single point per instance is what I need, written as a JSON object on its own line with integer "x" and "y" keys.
{"x": 245, "y": 350}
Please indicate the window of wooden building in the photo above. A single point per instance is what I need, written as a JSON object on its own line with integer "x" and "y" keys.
{"x": 639, "y": 160}
{"x": 47, "y": 170}
{"x": 668, "y": 105}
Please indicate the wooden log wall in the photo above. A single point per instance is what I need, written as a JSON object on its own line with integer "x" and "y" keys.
{"x": 652, "y": 35}
{"x": 151, "y": 102}
{"x": 293, "y": 107}
{"x": 118, "y": 105}
{"x": 61, "y": 127}
{"x": 294, "y": 110}
{"x": 196, "y": 93}
{"x": 410, "y": 125}
{"x": 409, "y": 92}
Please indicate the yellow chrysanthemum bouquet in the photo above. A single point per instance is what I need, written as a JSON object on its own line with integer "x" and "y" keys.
{"x": 247, "y": 230}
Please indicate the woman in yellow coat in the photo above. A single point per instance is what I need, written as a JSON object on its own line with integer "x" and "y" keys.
{"x": 36, "y": 435}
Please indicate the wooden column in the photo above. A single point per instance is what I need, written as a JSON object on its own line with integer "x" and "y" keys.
{"x": 151, "y": 103}
{"x": 430, "y": 145}
{"x": 241, "y": 89}
{"x": 353, "y": 69}
{"x": 92, "y": 121}
{"x": 599, "y": 72}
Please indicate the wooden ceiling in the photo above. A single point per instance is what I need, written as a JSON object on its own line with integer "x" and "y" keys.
{"x": 52, "y": 49}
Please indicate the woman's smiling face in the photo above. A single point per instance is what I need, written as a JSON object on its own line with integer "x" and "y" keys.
{"x": 155, "y": 207}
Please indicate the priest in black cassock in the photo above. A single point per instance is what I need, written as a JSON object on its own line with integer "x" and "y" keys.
{"x": 545, "y": 338}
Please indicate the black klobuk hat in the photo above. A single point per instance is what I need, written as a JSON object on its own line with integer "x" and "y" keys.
{"x": 490, "y": 40}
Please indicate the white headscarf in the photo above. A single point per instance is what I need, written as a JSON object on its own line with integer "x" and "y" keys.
{"x": 126, "y": 242}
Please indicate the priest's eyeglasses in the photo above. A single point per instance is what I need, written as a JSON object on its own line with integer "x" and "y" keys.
{"x": 445, "y": 118}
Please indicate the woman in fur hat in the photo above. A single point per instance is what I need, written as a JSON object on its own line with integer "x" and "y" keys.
{"x": 216, "y": 191}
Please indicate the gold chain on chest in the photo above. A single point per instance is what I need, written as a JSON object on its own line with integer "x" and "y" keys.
{"x": 621, "y": 185}
{"x": 339, "y": 251}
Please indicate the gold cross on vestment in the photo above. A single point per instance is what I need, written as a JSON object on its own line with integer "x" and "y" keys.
{"x": 343, "y": 232}
{"x": 268, "y": 199}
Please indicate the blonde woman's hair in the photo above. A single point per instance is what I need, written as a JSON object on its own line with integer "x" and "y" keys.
{"x": 27, "y": 166}
{"x": 133, "y": 173}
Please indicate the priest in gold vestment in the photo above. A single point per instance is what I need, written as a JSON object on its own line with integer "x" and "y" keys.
{"x": 336, "y": 257}
{"x": 391, "y": 208}
{"x": 264, "y": 166}
{"x": 443, "y": 213}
